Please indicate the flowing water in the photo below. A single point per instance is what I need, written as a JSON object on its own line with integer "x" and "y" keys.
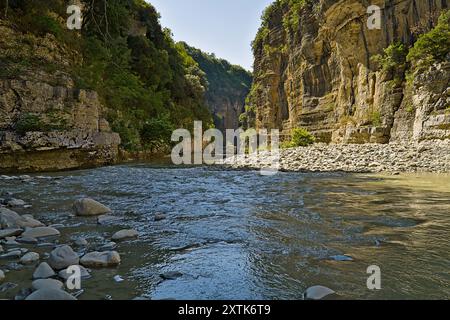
{"x": 239, "y": 235}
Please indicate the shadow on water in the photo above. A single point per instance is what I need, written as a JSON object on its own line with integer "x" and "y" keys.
{"x": 239, "y": 235}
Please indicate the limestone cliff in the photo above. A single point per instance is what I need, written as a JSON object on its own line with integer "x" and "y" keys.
{"x": 46, "y": 123}
{"x": 314, "y": 69}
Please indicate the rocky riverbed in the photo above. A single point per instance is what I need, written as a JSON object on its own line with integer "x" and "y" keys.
{"x": 27, "y": 243}
{"x": 428, "y": 156}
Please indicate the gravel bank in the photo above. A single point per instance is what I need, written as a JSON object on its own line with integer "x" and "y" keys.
{"x": 429, "y": 156}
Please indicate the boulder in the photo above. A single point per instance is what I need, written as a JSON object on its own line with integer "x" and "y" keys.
{"x": 100, "y": 259}
{"x": 48, "y": 294}
{"x": 29, "y": 258}
{"x": 63, "y": 257}
{"x": 11, "y": 219}
{"x": 40, "y": 232}
{"x": 90, "y": 207}
{"x": 160, "y": 217}
{"x": 125, "y": 234}
{"x": 10, "y": 232}
{"x": 31, "y": 222}
{"x": 317, "y": 293}
{"x": 43, "y": 271}
{"x": 12, "y": 203}
{"x": 47, "y": 284}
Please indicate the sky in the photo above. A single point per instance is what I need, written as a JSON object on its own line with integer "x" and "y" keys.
{"x": 223, "y": 27}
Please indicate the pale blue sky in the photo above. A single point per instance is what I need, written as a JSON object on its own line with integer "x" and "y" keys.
{"x": 224, "y": 27}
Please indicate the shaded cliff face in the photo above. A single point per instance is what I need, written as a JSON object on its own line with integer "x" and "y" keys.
{"x": 314, "y": 69}
{"x": 227, "y": 89}
{"x": 45, "y": 122}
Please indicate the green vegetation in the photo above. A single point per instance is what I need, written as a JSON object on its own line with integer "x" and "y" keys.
{"x": 393, "y": 57}
{"x": 31, "y": 122}
{"x": 433, "y": 46}
{"x": 430, "y": 48}
{"x": 225, "y": 82}
{"x": 289, "y": 9}
{"x": 376, "y": 119}
{"x": 143, "y": 77}
{"x": 300, "y": 138}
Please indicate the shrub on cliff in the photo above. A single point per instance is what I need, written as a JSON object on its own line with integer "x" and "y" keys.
{"x": 433, "y": 46}
{"x": 300, "y": 138}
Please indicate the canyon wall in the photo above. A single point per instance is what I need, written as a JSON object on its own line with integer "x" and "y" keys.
{"x": 45, "y": 122}
{"x": 318, "y": 73}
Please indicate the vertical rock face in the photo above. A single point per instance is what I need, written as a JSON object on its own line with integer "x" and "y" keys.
{"x": 46, "y": 123}
{"x": 318, "y": 73}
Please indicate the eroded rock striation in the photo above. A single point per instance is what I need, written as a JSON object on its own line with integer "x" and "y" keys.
{"x": 314, "y": 68}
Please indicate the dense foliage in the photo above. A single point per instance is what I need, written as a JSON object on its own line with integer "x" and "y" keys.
{"x": 225, "y": 81}
{"x": 140, "y": 73}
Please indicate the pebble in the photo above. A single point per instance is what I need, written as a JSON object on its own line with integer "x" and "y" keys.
{"x": 100, "y": 259}
{"x": 125, "y": 234}
{"x": 50, "y": 294}
{"x": 40, "y": 232}
{"x": 46, "y": 284}
{"x": 63, "y": 257}
{"x": 317, "y": 293}
{"x": 43, "y": 271}
{"x": 81, "y": 242}
{"x": 90, "y": 207}
{"x": 108, "y": 246}
{"x": 29, "y": 258}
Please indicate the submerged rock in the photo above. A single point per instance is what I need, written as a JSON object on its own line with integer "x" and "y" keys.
{"x": 41, "y": 232}
{"x": 317, "y": 293}
{"x": 125, "y": 234}
{"x": 100, "y": 259}
{"x": 63, "y": 257}
{"x": 29, "y": 258}
{"x": 50, "y": 294}
{"x": 85, "y": 274}
{"x": 90, "y": 207}
{"x": 341, "y": 258}
{"x": 107, "y": 219}
{"x": 160, "y": 217}
{"x": 171, "y": 275}
{"x": 43, "y": 271}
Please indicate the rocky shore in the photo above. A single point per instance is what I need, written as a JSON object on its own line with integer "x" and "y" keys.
{"x": 428, "y": 156}
{"x": 27, "y": 243}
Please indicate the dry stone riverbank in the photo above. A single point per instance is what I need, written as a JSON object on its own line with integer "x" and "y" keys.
{"x": 428, "y": 156}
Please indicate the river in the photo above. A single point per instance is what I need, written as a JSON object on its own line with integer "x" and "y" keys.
{"x": 239, "y": 235}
